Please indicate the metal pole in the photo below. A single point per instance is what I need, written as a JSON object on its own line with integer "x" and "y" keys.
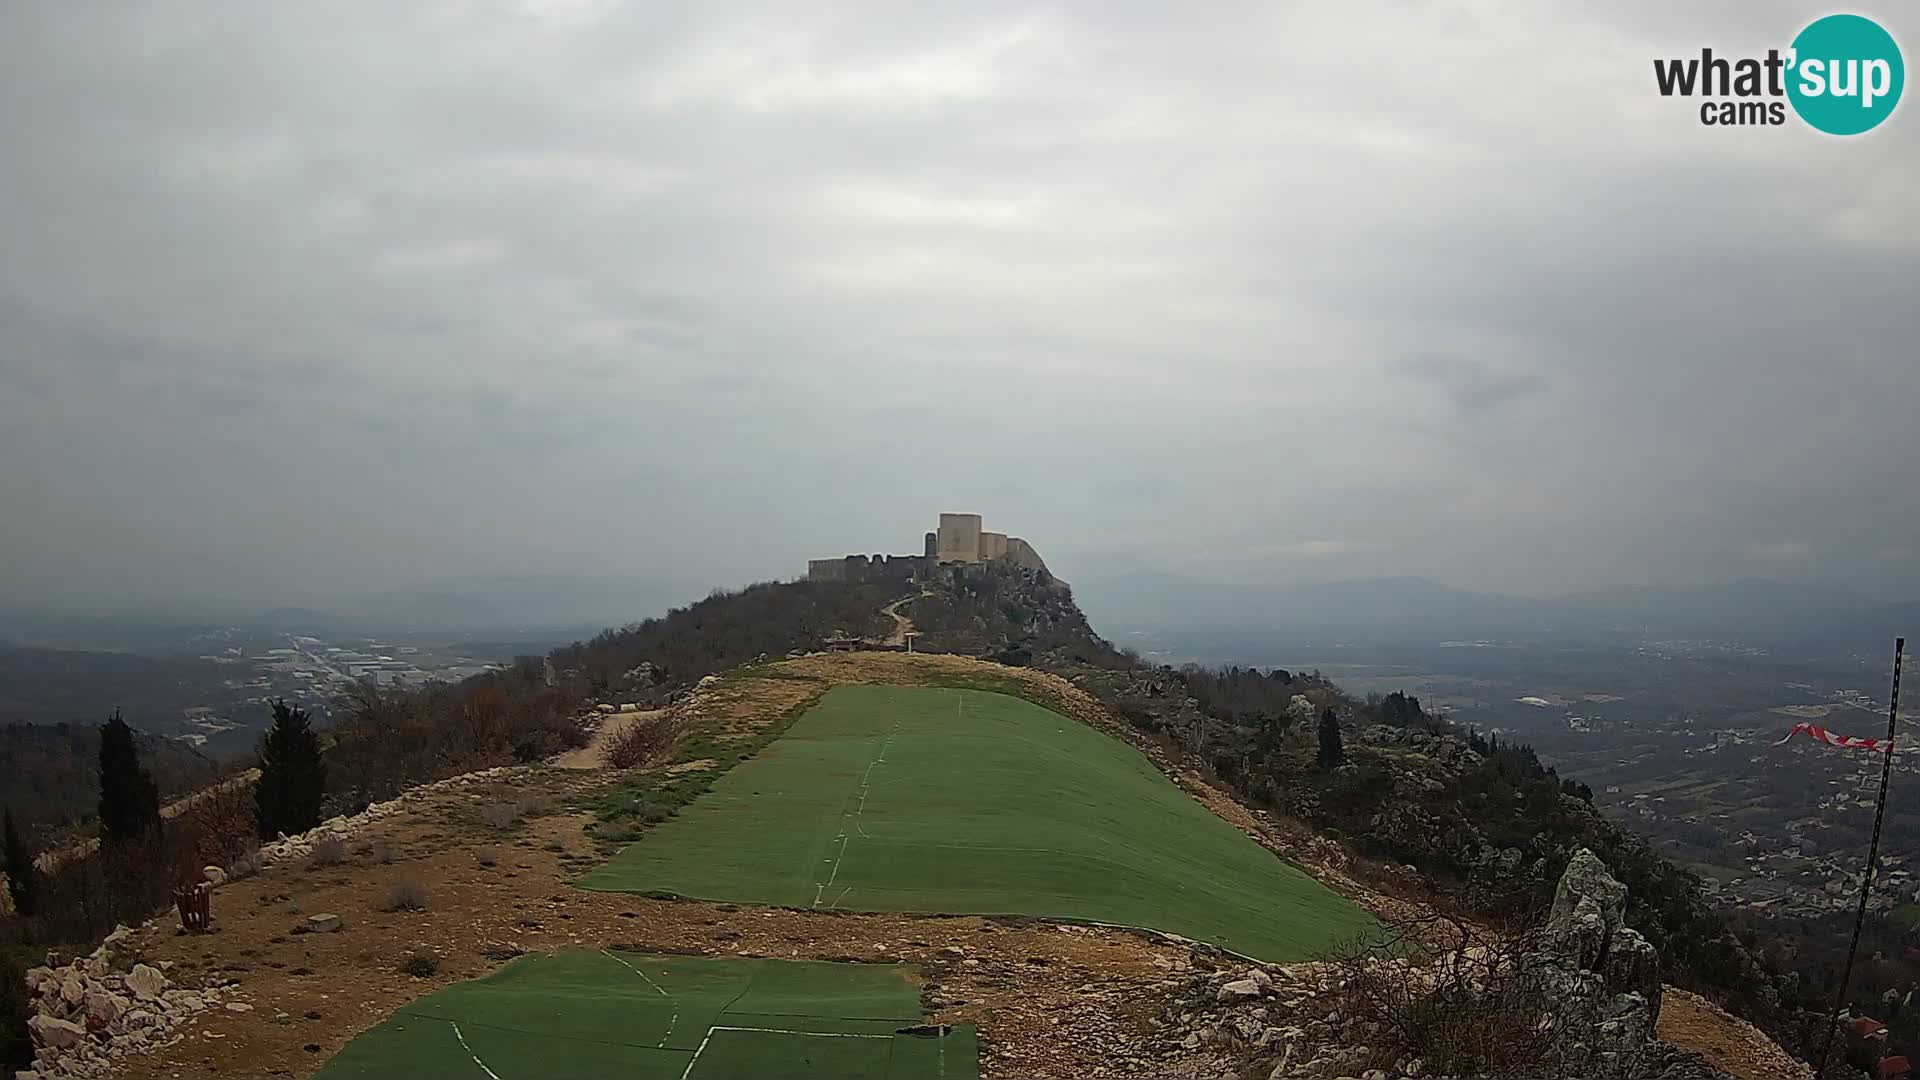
{"x": 1873, "y": 859}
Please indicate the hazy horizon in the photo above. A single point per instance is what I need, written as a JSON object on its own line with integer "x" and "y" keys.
{"x": 303, "y": 304}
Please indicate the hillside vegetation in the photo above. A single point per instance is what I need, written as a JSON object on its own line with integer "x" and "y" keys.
{"x": 1488, "y": 827}
{"x": 1485, "y": 828}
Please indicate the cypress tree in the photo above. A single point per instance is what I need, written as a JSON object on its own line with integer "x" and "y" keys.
{"x": 129, "y": 799}
{"x": 1333, "y": 753}
{"x": 293, "y": 776}
{"x": 19, "y": 866}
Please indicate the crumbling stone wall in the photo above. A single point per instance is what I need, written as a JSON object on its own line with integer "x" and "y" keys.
{"x": 959, "y": 539}
{"x": 861, "y": 568}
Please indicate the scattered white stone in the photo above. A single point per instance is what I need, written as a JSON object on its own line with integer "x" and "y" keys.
{"x": 54, "y": 1032}
{"x": 323, "y": 923}
{"x": 103, "y": 1008}
{"x": 145, "y": 982}
{"x": 238, "y": 1007}
{"x": 1238, "y": 990}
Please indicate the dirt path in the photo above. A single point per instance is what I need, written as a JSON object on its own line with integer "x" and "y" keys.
{"x": 50, "y": 860}
{"x": 902, "y": 626}
{"x": 1729, "y": 1043}
{"x": 593, "y": 755}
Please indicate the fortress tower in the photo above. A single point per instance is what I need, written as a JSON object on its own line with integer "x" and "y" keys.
{"x": 958, "y": 539}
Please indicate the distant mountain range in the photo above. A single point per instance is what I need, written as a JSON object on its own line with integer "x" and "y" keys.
{"x": 543, "y": 606}
{"x": 1415, "y": 610}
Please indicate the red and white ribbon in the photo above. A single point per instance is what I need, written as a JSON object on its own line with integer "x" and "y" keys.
{"x": 1845, "y": 742}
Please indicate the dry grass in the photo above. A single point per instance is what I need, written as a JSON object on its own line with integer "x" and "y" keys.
{"x": 420, "y": 965}
{"x": 1475, "y": 1010}
{"x": 643, "y": 741}
{"x": 245, "y": 865}
{"x": 327, "y": 851}
{"x": 407, "y": 894}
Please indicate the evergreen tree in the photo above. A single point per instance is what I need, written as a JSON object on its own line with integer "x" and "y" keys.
{"x": 293, "y": 776}
{"x": 16, "y": 1039}
{"x": 129, "y": 799}
{"x": 19, "y": 866}
{"x": 1333, "y": 753}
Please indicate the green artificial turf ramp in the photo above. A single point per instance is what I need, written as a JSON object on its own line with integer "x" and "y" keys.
{"x": 651, "y": 1017}
{"x": 887, "y": 798}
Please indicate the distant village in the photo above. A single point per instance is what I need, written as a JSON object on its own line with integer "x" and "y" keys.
{"x": 310, "y": 672}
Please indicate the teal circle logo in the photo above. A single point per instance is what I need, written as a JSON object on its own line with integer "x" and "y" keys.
{"x": 1845, "y": 75}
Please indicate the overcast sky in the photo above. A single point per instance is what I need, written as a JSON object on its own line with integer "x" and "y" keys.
{"x": 301, "y": 300}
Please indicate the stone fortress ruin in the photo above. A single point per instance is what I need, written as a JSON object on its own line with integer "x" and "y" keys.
{"x": 959, "y": 539}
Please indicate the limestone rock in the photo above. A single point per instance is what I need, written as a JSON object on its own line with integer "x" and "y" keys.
{"x": 103, "y": 1009}
{"x": 145, "y": 982}
{"x": 1239, "y": 990}
{"x": 73, "y": 991}
{"x": 1587, "y": 878}
{"x": 56, "y": 1033}
{"x": 324, "y": 923}
{"x": 1633, "y": 966}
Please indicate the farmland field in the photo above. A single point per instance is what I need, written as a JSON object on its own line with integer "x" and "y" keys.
{"x": 653, "y": 1017}
{"x": 965, "y": 802}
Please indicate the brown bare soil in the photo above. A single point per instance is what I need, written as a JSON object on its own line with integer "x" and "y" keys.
{"x": 312, "y": 993}
{"x": 593, "y": 755}
{"x": 1729, "y": 1043}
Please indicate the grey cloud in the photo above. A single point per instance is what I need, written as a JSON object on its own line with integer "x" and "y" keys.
{"x": 1234, "y": 287}
{"x": 1472, "y": 385}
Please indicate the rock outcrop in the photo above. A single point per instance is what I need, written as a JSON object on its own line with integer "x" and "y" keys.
{"x": 104, "y": 1006}
{"x": 1577, "y": 999}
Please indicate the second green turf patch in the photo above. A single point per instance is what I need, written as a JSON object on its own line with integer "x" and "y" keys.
{"x": 965, "y": 802}
{"x": 653, "y": 1017}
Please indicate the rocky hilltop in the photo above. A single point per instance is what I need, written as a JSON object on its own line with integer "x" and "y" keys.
{"x": 1524, "y": 935}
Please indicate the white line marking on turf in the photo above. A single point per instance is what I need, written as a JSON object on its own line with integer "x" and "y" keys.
{"x": 866, "y": 784}
{"x": 688, "y": 1071}
{"x": 866, "y": 781}
{"x": 809, "y": 1034}
{"x": 704, "y": 1039}
{"x": 672, "y": 1020}
{"x": 470, "y": 1053}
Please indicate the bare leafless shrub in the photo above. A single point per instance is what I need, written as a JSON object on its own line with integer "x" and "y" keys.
{"x": 642, "y": 741}
{"x": 245, "y": 865}
{"x": 327, "y": 851}
{"x": 407, "y": 894}
{"x": 497, "y": 815}
{"x": 1463, "y": 1000}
